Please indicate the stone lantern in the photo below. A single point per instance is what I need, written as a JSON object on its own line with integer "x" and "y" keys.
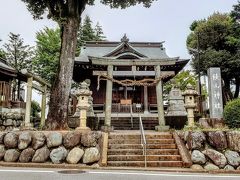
{"x": 189, "y": 95}
{"x": 83, "y": 105}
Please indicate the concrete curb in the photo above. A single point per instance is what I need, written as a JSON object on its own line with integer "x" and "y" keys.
{"x": 84, "y": 167}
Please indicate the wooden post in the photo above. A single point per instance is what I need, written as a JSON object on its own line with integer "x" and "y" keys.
{"x": 145, "y": 91}
{"x": 108, "y": 105}
{"x": 28, "y": 103}
{"x": 43, "y": 108}
{"x": 162, "y": 126}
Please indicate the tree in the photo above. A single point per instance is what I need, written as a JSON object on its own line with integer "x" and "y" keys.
{"x": 35, "y": 109}
{"x": 181, "y": 80}
{"x": 88, "y": 33}
{"x": 45, "y": 62}
{"x": 217, "y": 42}
{"x": 99, "y": 33}
{"x": 2, "y": 53}
{"x": 48, "y": 48}
{"x": 17, "y": 54}
{"x": 68, "y": 15}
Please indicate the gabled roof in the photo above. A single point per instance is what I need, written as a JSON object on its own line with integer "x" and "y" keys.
{"x": 6, "y": 69}
{"x": 151, "y": 50}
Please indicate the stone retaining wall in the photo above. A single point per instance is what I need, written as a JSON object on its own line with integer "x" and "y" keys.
{"x": 213, "y": 150}
{"x": 71, "y": 147}
{"x": 10, "y": 120}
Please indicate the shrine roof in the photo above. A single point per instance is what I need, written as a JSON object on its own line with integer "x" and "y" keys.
{"x": 114, "y": 49}
{"x": 6, "y": 69}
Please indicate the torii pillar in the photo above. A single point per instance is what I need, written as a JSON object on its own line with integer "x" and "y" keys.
{"x": 108, "y": 106}
{"x": 161, "y": 119}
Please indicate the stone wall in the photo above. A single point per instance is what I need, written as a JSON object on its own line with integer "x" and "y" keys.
{"x": 72, "y": 147}
{"x": 10, "y": 120}
{"x": 213, "y": 150}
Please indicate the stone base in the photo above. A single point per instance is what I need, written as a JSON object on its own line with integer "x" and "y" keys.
{"x": 27, "y": 127}
{"x": 83, "y": 129}
{"x": 211, "y": 123}
{"x": 107, "y": 128}
{"x": 162, "y": 128}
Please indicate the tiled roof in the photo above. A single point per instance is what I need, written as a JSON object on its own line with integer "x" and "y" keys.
{"x": 151, "y": 50}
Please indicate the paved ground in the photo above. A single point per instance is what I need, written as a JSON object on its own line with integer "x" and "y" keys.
{"x": 51, "y": 174}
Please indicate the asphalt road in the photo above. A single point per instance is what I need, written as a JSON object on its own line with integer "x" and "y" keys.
{"x": 51, "y": 174}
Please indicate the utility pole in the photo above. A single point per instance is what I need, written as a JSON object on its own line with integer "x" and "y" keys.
{"x": 199, "y": 75}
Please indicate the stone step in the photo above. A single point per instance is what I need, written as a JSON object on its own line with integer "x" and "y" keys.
{"x": 137, "y": 136}
{"x": 138, "y": 141}
{"x": 140, "y": 152}
{"x": 142, "y": 158}
{"x": 149, "y": 164}
{"x": 139, "y": 146}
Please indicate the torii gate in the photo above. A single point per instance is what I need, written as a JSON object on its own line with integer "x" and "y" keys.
{"x": 43, "y": 89}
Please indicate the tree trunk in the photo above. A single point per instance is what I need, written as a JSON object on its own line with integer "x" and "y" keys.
{"x": 236, "y": 94}
{"x": 58, "y": 107}
{"x": 227, "y": 94}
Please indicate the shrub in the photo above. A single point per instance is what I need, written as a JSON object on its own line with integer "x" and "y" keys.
{"x": 232, "y": 114}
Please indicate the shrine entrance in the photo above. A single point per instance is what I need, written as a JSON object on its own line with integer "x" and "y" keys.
{"x": 127, "y": 78}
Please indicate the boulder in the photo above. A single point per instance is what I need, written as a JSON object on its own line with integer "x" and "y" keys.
{"x": 24, "y": 140}
{"x": 11, "y": 155}
{"x": 228, "y": 167}
{"x": 71, "y": 139}
{"x": 2, "y": 134}
{"x": 11, "y": 140}
{"x": 9, "y": 128}
{"x": 91, "y": 155}
{"x": 233, "y": 158}
{"x": 90, "y": 139}
{"x": 196, "y": 167}
{"x": 196, "y": 140}
{"x": 8, "y": 122}
{"x": 95, "y": 165}
{"x": 58, "y": 155}
{"x": 233, "y": 139}
{"x": 217, "y": 139}
{"x": 2, "y": 151}
{"x": 210, "y": 167}
{"x": 185, "y": 136}
{"x": 218, "y": 158}
{"x": 26, "y": 155}
{"x": 198, "y": 157}
{"x": 54, "y": 139}
{"x": 75, "y": 155}
{"x": 203, "y": 122}
{"x": 41, "y": 155}
{"x": 38, "y": 140}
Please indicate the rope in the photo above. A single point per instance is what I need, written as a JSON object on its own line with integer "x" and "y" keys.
{"x": 129, "y": 82}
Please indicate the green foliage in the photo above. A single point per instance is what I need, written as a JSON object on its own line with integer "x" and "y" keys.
{"x": 2, "y": 53}
{"x": 181, "y": 80}
{"x": 48, "y": 41}
{"x": 218, "y": 42}
{"x": 59, "y": 10}
{"x": 99, "y": 35}
{"x": 17, "y": 54}
{"x": 45, "y": 62}
{"x": 35, "y": 109}
{"x": 232, "y": 113}
{"x": 88, "y": 33}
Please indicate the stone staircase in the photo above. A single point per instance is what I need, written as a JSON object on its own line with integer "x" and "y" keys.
{"x": 122, "y": 123}
{"x": 125, "y": 149}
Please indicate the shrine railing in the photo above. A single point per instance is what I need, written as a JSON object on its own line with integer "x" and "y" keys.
{"x": 143, "y": 141}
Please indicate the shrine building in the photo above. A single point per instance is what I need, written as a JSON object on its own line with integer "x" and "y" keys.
{"x": 126, "y": 77}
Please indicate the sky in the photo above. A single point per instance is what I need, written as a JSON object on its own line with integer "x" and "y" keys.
{"x": 165, "y": 20}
